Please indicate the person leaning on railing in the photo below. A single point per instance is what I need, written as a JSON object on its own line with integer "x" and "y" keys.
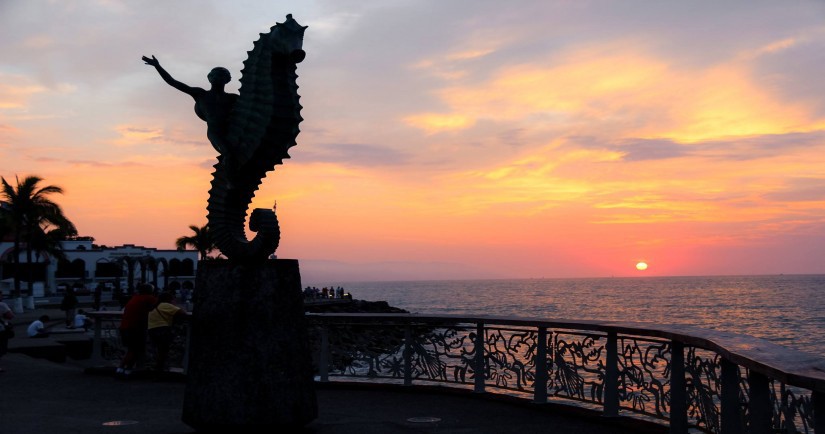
{"x": 160, "y": 326}
{"x": 133, "y": 327}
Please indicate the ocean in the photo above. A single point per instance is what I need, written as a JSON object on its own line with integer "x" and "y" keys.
{"x": 786, "y": 309}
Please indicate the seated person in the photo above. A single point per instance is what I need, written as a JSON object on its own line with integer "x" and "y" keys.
{"x": 37, "y": 329}
{"x": 81, "y": 320}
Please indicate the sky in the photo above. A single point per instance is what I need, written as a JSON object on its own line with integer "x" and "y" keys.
{"x": 447, "y": 139}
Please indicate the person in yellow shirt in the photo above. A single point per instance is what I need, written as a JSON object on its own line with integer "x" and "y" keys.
{"x": 160, "y": 326}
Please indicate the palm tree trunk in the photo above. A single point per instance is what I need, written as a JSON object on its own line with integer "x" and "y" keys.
{"x": 16, "y": 253}
{"x": 29, "y": 270}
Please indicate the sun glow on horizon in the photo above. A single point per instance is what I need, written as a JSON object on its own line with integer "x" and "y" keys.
{"x": 641, "y": 266}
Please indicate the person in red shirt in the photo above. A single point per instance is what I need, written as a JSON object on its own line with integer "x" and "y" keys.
{"x": 133, "y": 327}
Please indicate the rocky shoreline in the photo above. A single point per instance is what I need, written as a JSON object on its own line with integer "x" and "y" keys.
{"x": 351, "y": 306}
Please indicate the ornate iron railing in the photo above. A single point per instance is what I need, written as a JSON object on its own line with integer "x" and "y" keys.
{"x": 690, "y": 378}
{"x": 108, "y": 350}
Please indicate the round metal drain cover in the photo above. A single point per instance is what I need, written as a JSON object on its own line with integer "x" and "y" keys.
{"x": 120, "y": 422}
{"x": 424, "y": 419}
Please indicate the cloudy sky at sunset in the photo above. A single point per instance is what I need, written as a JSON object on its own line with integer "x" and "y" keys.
{"x": 447, "y": 139}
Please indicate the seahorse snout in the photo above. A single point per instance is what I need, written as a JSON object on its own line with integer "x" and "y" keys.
{"x": 298, "y": 56}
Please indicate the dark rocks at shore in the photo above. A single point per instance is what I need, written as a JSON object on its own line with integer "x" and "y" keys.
{"x": 346, "y": 341}
{"x": 351, "y": 306}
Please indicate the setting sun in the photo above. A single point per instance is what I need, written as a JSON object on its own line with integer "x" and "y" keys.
{"x": 641, "y": 266}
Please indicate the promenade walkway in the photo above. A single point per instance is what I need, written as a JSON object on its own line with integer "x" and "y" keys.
{"x": 39, "y": 396}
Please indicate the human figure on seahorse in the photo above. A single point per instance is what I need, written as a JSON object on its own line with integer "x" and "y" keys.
{"x": 252, "y": 133}
{"x": 213, "y": 106}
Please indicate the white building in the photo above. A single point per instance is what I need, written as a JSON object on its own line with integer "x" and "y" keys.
{"x": 86, "y": 266}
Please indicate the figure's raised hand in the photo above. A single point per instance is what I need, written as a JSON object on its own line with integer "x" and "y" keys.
{"x": 151, "y": 61}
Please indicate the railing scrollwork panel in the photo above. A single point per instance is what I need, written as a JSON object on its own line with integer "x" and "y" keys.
{"x": 443, "y": 354}
{"x": 364, "y": 350}
{"x": 578, "y": 368}
{"x": 792, "y": 409}
{"x": 703, "y": 372}
{"x": 510, "y": 358}
{"x": 644, "y": 376}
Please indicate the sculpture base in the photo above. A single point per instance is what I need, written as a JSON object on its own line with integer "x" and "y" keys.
{"x": 249, "y": 368}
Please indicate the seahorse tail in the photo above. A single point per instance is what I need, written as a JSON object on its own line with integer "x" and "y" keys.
{"x": 226, "y": 213}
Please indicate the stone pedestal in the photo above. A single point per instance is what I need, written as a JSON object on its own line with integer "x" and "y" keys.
{"x": 249, "y": 368}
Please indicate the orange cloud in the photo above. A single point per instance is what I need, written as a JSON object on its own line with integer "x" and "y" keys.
{"x": 452, "y": 66}
{"x": 434, "y": 122}
{"x": 134, "y": 135}
{"x": 725, "y": 102}
{"x": 631, "y": 93}
{"x": 16, "y": 96}
{"x": 777, "y": 46}
{"x": 470, "y": 54}
{"x": 570, "y": 87}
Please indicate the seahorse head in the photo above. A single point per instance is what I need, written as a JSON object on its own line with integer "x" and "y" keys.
{"x": 289, "y": 38}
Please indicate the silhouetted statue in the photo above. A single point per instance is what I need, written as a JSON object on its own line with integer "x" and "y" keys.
{"x": 213, "y": 106}
{"x": 252, "y": 133}
{"x": 250, "y": 368}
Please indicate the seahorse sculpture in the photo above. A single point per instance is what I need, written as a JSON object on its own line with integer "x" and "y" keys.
{"x": 263, "y": 125}
{"x": 252, "y": 132}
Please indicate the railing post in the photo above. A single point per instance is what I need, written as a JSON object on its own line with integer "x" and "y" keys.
{"x": 408, "y": 355}
{"x": 678, "y": 391}
{"x": 787, "y": 411}
{"x": 611, "y": 378}
{"x": 323, "y": 356}
{"x": 730, "y": 412}
{"x": 759, "y": 404}
{"x": 97, "y": 342}
{"x": 818, "y": 399}
{"x": 479, "y": 359}
{"x": 540, "y": 386}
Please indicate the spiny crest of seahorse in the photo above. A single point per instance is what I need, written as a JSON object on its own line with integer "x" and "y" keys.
{"x": 263, "y": 126}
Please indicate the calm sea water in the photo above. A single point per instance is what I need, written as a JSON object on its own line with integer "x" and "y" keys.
{"x": 786, "y": 309}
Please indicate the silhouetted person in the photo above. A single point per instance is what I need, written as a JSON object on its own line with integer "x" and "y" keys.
{"x": 213, "y": 105}
{"x": 37, "y": 329}
{"x": 69, "y": 305}
{"x": 161, "y": 319}
{"x": 133, "y": 326}
{"x": 81, "y": 320}
{"x": 97, "y": 296}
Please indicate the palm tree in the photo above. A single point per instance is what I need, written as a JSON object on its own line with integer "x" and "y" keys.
{"x": 200, "y": 240}
{"x": 5, "y": 220}
{"x": 5, "y": 229}
{"x": 30, "y": 212}
{"x": 50, "y": 242}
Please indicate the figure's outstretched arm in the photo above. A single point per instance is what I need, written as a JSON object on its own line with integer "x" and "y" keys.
{"x": 168, "y": 78}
